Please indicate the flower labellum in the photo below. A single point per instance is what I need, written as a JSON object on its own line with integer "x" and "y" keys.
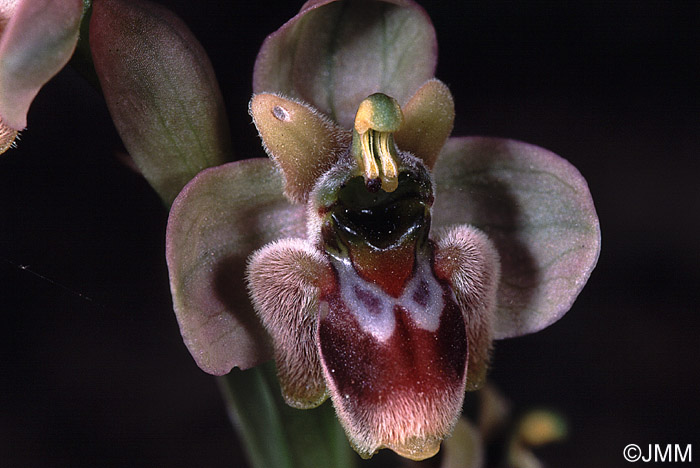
{"x": 369, "y": 308}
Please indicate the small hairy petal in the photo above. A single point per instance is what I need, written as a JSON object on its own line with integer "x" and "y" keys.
{"x": 466, "y": 258}
{"x": 37, "y": 41}
{"x": 428, "y": 120}
{"x": 223, "y": 215}
{"x": 300, "y": 140}
{"x": 161, "y": 91}
{"x": 284, "y": 279}
{"x": 537, "y": 210}
{"x": 333, "y": 54}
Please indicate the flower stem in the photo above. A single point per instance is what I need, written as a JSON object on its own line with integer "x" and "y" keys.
{"x": 275, "y": 435}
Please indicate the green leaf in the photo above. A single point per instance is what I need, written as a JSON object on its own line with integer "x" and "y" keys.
{"x": 276, "y": 435}
{"x": 161, "y": 92}
{"x": 538, "y": 211}
{"x": 217, "y": 221}
{"x": 334, "y": 54}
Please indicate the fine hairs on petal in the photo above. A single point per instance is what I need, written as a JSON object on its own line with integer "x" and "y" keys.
{"x": 467, "y": 259}
{"x": 283, "y": 280}
{"x": 7, "y": 137}
{"x": 403, "y": 394}
{"x": 413, "y": 428}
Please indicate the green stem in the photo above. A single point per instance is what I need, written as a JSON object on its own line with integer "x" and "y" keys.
{"x": 276, "y": 435}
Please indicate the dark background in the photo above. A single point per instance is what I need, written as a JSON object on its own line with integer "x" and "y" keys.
{"x": 93, "y": 371}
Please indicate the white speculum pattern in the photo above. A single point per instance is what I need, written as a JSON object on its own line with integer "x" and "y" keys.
{"x": 422, "y": 299}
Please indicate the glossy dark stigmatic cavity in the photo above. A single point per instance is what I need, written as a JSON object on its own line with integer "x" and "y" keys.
{"x": 380, "y": 219}
{"x": 380, "y": 232}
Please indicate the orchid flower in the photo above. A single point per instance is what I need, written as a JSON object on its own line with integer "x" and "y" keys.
{"x": 375, "y": 258}
{"x": 381, "y": 257}
{"x": 37, "y": 38}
